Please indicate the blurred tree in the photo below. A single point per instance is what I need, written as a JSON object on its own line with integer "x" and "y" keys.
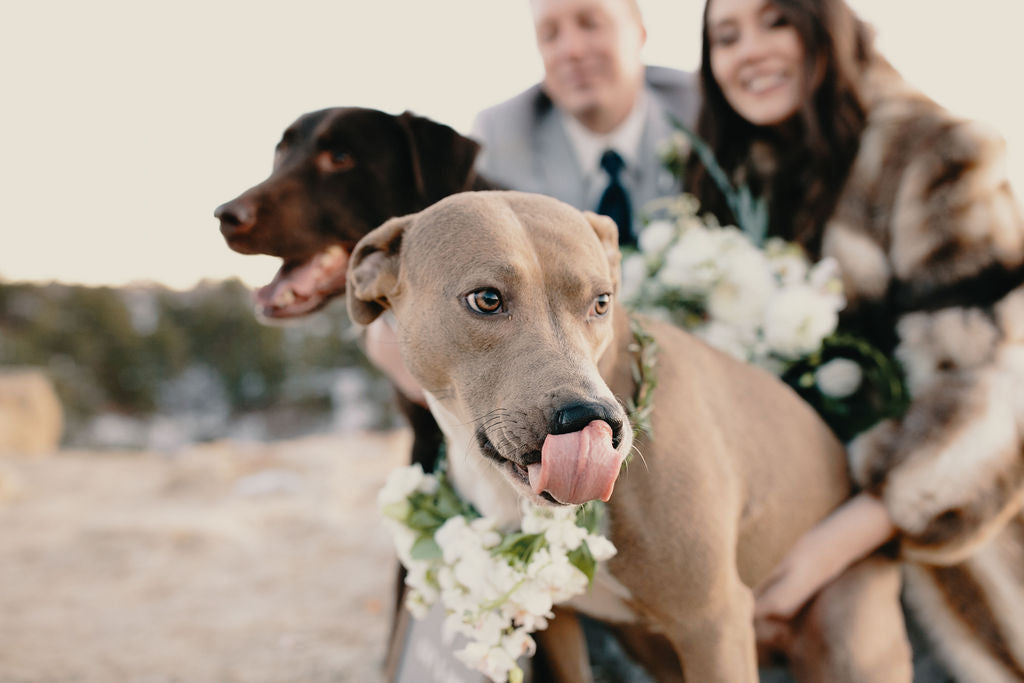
{"x": 137, "y": 350}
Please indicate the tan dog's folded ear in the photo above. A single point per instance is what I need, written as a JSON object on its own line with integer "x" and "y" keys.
{"x": 373, "y": 270}
{"x": 442, "y": 159}
{"x": 608, "y": 233}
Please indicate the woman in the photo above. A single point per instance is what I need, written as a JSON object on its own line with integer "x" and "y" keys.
{"x": 914, "y": 205}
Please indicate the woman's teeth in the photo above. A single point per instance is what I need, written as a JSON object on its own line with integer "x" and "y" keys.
{"x": 763, "y": 82}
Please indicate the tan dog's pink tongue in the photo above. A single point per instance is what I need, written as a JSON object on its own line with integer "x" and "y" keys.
{"x": 578, "y": 466}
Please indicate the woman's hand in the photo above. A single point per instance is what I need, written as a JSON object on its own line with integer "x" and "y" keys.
{"x": 851, "y": 532}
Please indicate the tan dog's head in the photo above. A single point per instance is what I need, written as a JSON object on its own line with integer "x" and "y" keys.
{"x": 504, "y": 306}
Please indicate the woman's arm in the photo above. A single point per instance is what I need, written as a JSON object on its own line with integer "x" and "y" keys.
{"x": 851, "y": 532}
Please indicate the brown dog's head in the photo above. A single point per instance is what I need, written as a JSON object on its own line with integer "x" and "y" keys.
{"x": 504, "y": 306}
{"x": 338, "y": 173}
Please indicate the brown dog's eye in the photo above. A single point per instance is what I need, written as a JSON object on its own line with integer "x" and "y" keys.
{"x": 486, "y": 300}
{"x": 330, "y": 161}
{"x": 602, "y": 304}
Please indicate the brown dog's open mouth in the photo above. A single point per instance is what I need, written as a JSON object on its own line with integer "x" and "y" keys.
{"x": 301, "y": 287}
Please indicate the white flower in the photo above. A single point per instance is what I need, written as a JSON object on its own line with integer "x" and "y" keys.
{"x": 600, "y": 547}
{"x": 401, "y": 482}
{"x": 418, "y": 576}
{"x": 655, "y": 237}
{"x": 556, "y": 574}
{"x": 787, "y": 261}
{"x": 797, "y": 320}
{"x": 825, "y": 278}
{"x": 455, "y": 537}
{"x": 518, "y": 643}
{"x": 485, "y": 531}
{"x": 634, "y": 276}
{"x": 486, "y": 627}
{"x": 530, "y": 599}
{"x": 564, "y": 535}
{"x": 491, "y": 660}
{"x": 839, "y": 377}
{"x": 691, "y": 263}
{"x": 677, "y": 146}
{"x": 727, "y": 338}
{"x": 740, "y": 297}
{"x": 417, "y": 604}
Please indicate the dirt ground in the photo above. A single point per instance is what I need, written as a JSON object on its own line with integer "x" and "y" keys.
{"x": 226, "y": 562}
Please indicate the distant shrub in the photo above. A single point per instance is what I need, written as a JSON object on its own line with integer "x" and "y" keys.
{"x": 147, "y": 350}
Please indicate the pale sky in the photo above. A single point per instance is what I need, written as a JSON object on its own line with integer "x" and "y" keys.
{"x": 125, "y": 123}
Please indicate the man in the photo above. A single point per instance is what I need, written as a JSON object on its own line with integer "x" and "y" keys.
{"x": 596, "y": 96}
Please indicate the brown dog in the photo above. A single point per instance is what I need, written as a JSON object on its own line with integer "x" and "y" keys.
{"x": 506, "y": 313}
{"x": 337, "y": 174}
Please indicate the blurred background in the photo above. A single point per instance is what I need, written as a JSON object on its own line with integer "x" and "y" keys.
{"x": 126, "y": 123}
{"x": 212, "y": 467}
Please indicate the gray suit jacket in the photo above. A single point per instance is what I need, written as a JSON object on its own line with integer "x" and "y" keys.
{"x": 526, "y": 147}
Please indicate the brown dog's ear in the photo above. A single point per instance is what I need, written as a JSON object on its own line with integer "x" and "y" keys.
{"x": 373, "y": 270}
{"x": 608, "y": 233}
{"x": 442, "y": 160}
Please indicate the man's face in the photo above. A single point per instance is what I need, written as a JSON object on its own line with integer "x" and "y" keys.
{"x": 591, "y": 55}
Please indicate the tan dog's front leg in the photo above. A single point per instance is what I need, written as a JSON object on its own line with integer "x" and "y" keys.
{"x": 717, "y": 643}
{"x": 853, "y": 631}
{"x": 562, "y": 650}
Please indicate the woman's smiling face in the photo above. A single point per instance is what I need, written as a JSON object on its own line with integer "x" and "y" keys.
{"x": 757, "y": 58}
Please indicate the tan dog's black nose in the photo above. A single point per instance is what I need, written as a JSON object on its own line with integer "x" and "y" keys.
{"x": 236, "y": 218}
{"x": 573, "y": 417}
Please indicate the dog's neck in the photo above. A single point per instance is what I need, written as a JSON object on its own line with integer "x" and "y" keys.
{"x": 474, "y": 478}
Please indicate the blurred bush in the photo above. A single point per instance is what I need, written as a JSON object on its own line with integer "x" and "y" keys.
{"x": 144, "y": 355}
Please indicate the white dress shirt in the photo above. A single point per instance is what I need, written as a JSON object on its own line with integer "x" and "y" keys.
{"x": 589, "y": 146}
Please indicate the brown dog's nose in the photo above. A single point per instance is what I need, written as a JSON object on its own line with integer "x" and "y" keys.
{"x": 236, "y": 218}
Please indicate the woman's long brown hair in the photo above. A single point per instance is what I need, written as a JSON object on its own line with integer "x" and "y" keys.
{"x": 812, "y": 153}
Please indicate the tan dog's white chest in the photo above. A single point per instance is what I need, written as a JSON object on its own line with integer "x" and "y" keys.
{"x": 475, "y": 479}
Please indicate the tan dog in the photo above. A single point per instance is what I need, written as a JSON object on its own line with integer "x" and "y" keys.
{"x": 505, "y": 309}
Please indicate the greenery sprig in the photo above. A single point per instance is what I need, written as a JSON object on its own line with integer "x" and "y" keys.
{"x": 750, "y": 211}
{"x": 645, "y": 361}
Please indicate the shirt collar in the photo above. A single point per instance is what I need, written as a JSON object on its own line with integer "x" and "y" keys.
{"x": 624, "y": 139}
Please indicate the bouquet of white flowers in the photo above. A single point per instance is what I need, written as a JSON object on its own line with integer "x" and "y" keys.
{"x": 767, "y": 306}
{"x": 496, "y": 588}
{"x": 759, "y": 299}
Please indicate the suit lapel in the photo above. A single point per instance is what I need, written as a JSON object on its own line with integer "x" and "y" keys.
{"x": 555, "y": 164}
{"x": 655, "y": 180}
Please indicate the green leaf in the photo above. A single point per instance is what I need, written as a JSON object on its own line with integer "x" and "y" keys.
{"x": 588, "y": 516}
{"x": 519, "y": 546}
{"x": 424, "y": 520}
{"x": 448, "y": 504}
{"x": 583, "y": 560}
{"x": 425, "y": 548}
{"x": 751, "y": 213}
{"x": 397, "y": 511}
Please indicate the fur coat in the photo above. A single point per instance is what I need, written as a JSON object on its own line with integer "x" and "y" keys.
{"x": 930, "y": 241}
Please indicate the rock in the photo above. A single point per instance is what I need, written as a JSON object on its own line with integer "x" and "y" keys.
{"x": 31, "y": 418}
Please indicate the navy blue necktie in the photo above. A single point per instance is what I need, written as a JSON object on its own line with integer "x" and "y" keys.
{"x": 615, "y": 201}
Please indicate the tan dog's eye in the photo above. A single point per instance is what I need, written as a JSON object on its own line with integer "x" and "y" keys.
{"x": 486, "y": 300}
{"x": 602, "y": 304}
{"x": 330, "y": 161}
